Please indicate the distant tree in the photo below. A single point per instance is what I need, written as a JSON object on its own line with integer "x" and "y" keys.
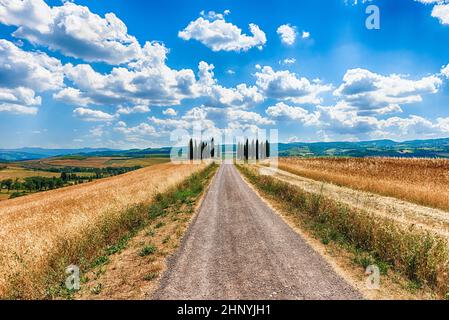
{"x": 212, "y": 148}
{"x": 257, "y": 149}
{"x": 246, "y": 152}
{"x": 16, "y": 185}
{"x": 267, "y": 149}
{"x": 6, "y": 184}
{"x": 191, "y": 149}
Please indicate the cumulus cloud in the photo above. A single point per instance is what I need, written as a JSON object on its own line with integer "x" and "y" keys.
{"x": 287, "y": 33}
{"x": 35, "y": 70}
{"x": 214, "y": 32}
{"x": 72, "y": 96}
{"x": 134, "y": 109}
{"x": 441, "y": 12}
{"x": 22, "y": 74}
{"x": 285, "y": 85}
{"x": 143, "y": 129}
{"x": 241, "y": 96}
{"x": 91, "y": 115}
{"x": 284, "y": 111}
{"x": 71, "y": 29}
{"x": 142, "y": 83}
{"x": 370, "y": 93}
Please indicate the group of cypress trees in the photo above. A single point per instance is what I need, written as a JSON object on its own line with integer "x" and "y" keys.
{"x": 256, "y": 150}
{"x": 203, "y": 150}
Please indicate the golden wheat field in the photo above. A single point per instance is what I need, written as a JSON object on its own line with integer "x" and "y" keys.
{"x": 37, "y": 227}
{"x": 423, "y": 181}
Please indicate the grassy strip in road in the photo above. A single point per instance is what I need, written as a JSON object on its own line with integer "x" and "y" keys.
{"x": 421, "y": 257}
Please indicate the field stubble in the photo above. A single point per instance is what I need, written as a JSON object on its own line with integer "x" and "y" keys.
{"x": 423, "y": 181}
{"x": 44, "y": 232}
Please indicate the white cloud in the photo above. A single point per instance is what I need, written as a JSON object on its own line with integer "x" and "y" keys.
{"x": 35, "y": 70}
{"x": 72, "y": 96}
{"x": 287, "y": 33}
{"x": 441, "y": 12}
{"x": 170, "y": 112}
{"x": 143, "y": 83}
{"x": 17, "y": 109}
{"x": 22, "y": 74}
{"x": 370, "y": 93}
{"x": 284, "y": 111}
{"x": 143, "y": 129}
{"x": 285, "y": 85}
{"x": 134, "y": 109}
{"x": 219, "y": 35}
{"x": 91, "y": 115}
{"x": 71, "y": 29}
{"x": 242, "y": 96}
{"x": 287, "y": 61}
{"x": 305, "y": 35}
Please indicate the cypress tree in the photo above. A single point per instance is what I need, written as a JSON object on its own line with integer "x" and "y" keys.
{"x": 191, "y": 149}
{"x": 257, "y": 149}
{"x": 267, "y": 149}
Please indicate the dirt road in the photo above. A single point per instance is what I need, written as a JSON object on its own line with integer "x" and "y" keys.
{"x": 238, "y": 248}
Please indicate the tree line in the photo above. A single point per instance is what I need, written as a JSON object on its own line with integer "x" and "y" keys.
{"x": 254, "y": 150}
{"x": 203, "y": 150}
{"x": 248, "y": 150}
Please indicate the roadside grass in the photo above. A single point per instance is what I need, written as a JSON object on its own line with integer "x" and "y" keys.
{"x": 170, "y": 202}
{"x": 420, "y": 256}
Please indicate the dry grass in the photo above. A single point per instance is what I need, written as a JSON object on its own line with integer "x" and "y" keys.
{"x": 12, "y": 172}
{"x": 90, "y": 162}
{"x": 43, "y": 232}
{"x": 93, "y": 162}
{"x": 131, "y": 162}
{"x": 423, "y": 181}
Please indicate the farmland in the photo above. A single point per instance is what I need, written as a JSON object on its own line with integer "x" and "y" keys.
{"x": 24, "y": 177}
{"x": 423, "y": 181}
{"x": 43, "y": 232}
{"x": 91, "y": 162}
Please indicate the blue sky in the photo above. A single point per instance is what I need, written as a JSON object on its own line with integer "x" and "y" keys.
{"x": 125, "y": 74}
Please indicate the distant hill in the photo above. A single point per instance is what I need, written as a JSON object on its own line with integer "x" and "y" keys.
{"x": 40, "y": 153}
{"x": 383, "y": 148}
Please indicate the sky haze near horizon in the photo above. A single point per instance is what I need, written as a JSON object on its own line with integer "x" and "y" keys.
{"x": 125, "y": 74}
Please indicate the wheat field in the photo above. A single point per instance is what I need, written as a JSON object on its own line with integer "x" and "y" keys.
{"x": 422, "y": 181}
{"x": 36, "y": 228}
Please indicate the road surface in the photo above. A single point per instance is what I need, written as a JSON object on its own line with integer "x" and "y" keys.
{"x": 238, "y": 248}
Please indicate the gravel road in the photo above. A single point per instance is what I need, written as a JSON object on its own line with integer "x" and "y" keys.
{"x": 238, "y": 248}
